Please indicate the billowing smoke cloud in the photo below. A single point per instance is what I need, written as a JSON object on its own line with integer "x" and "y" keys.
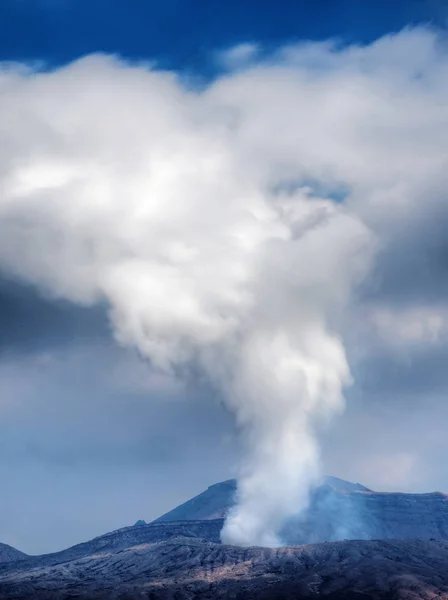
{"x": 226, "y": 227}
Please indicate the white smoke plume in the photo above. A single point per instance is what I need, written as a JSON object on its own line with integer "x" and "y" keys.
{"x": 226, "y": 226}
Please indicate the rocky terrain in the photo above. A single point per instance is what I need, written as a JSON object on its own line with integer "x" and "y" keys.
{"x": 172, "y": 562}
{"x": 182, "y": 559}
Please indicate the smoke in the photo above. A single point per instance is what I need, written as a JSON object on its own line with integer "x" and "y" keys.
{"x": 332, "y": 516}
{"x": 225, "y": 227}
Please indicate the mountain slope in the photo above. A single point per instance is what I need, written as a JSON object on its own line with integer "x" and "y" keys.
{"x": 184, "y": 567}
{"x": 119, "y": 540}
{"x": 10, "y": 554}
{"x": 215, "y": 501}
{"x": 338, "y": 510}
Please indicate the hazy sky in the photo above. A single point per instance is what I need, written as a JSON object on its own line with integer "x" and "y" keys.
{"x": 92, "y": 439}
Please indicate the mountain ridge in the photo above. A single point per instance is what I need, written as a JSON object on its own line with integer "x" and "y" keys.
{"x": 10, "y": 554}
{"x": 338, "y": 510}
{"x": 185, "y": 559}
{"x": 223, "y": 494}
{"x": 192, "y": 568}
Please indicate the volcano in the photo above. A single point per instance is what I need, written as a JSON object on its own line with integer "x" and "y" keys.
{"x": 403, "y": 554}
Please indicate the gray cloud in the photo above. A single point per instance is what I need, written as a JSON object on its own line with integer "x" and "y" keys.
{"x": 30, "y": 321}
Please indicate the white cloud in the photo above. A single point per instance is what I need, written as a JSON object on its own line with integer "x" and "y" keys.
{"x": 239, "y": 56}
{"x": 197, "y": 215}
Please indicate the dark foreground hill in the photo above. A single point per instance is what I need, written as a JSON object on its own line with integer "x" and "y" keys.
{"x": 172, "y": 561}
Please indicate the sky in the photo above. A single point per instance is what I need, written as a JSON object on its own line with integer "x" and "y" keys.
{"x": 94, "y": 438}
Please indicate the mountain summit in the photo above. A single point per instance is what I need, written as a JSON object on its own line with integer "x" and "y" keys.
{"x": 338, "y": 510}
{"x": 216, "y": 501}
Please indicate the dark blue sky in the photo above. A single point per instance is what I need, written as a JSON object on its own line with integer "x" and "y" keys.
{"x": 181, "y": 33}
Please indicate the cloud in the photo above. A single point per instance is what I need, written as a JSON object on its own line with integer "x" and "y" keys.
{"x": 237, "y": 57}
{"x": 30, "y": 322}
{"x": 211, "y": 223}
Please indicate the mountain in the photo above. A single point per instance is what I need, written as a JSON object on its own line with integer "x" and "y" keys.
{"x": 401, "y": 552}
{"x": 140, "y": 523}
{"x": 171, "y": 561}
{"x": 338, "y": 510}
{"x": 119, "y": 540}
{"x": 216, "y": 501}
{"x": 10, "y": 554}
